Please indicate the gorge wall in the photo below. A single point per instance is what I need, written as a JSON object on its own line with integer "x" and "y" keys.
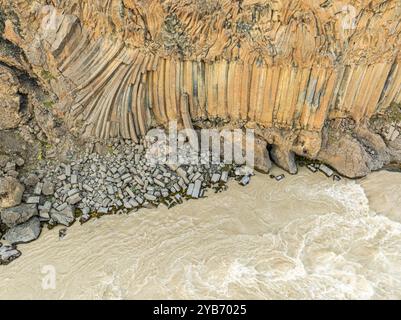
{"x": 316, "y": 78}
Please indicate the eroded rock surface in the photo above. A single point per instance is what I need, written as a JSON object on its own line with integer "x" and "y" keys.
{"x": 11, "y": 191}
{"x": 10, "y": 100}
{"x": 288, "y": 68}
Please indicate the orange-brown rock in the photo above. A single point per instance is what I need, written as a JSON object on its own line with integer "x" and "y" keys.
{"x": 10, "y": 100}
{"x": 289, "y": 68}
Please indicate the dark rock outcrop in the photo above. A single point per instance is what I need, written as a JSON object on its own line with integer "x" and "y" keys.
{"x": 24, "y": 233}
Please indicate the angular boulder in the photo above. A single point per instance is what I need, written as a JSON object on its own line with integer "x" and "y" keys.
{"x": 48, "y": 188}
{"x": 263, "y": 163}
{"x": 8, "y": 254}
{"x": 65, "y": 217}
{"x": 25, "y": 232}
{"x": 17, "y": 215}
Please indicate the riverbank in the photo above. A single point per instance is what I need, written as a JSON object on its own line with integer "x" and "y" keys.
{"x": 123, "y": 179}
{"x": 304, "y": 237}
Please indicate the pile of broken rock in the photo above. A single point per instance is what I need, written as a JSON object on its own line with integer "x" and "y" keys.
{"x": 123, "y": 179}
{"x": 120, "y": 181}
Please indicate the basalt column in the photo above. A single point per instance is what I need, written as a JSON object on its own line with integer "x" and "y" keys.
{"x": 320, "y": 79}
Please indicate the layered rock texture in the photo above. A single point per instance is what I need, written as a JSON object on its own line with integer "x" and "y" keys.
{"x": 319, "y": 79}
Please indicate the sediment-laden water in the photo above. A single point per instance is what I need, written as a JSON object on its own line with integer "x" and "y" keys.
{"x": 306, "y": 237}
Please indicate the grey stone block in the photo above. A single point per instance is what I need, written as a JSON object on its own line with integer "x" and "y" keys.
{"x": 38, "y": 189}
{"x": 190, "y": 189}
{"x": 245, "y": 180}
{"x": 224, "y": 177}
{"x": 215, "y": 178}
{"x": 74, "y": 199}
{"x": 150, "y": 197}
{"x": 312, "y": 168}
{"x": 33, "y": 200}
{"x": 197, "y": 189}
{"x": 326, "y": 170}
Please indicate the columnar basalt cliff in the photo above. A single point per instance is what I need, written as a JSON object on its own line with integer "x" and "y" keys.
{"x": 319, "y": 79}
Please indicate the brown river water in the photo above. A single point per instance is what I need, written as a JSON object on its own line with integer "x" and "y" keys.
{"x": 306, "y": 237}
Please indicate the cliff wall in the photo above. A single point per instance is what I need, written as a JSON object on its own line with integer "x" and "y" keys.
{"x": 316, "y": 78}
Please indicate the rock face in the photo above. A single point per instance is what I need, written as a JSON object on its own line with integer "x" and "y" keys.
{"x": 10, "y": 100}
{"x": 287, "y": 68}
{"x": 10, "y": 192}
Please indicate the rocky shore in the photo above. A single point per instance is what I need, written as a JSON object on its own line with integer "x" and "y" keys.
{"x": 122, "y": 180}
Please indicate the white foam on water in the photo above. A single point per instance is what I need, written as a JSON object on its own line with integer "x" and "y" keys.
{"x": 217, "y": 283}
{"x": 304, "y": 238}
{"x": 319, "y": 256}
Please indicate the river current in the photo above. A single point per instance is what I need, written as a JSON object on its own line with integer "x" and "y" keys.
{"x": 306, "y": 237}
